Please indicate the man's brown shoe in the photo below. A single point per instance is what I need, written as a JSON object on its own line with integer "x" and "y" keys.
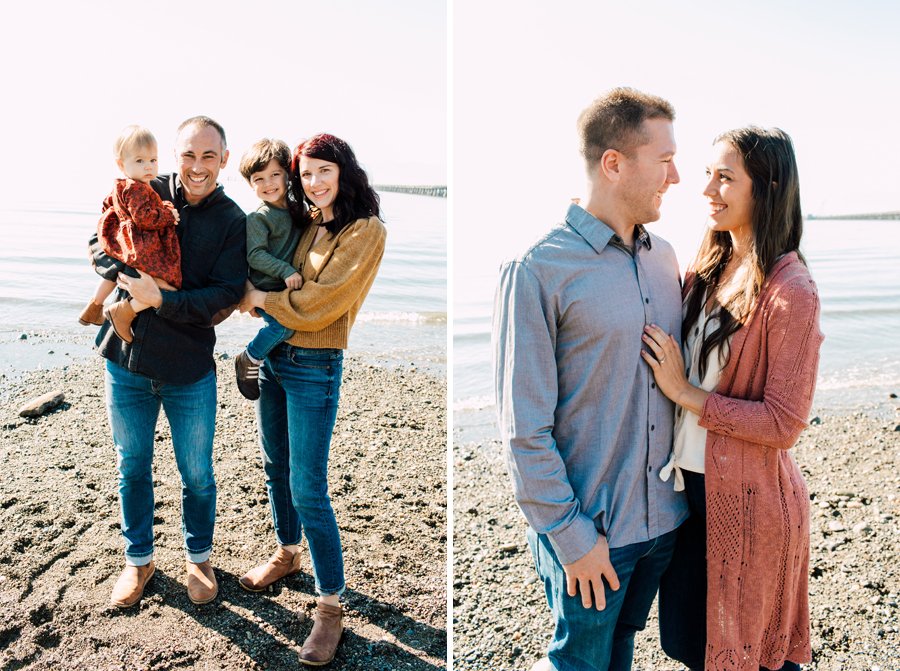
{"x": 120, "y": 314}
{"x": 201, "y": 582}
{"x": 282, "y": 563}
{"x": 92, "y": 314}
{"x": 129, "y": 588}
{"x": 321, "y": 644}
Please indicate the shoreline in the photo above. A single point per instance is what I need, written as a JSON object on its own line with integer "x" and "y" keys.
{"x": 27, "y": 351}
{"x": 851, "y": 464}
{"x": 479, "y": 424}
{"x": 61, "y": 549}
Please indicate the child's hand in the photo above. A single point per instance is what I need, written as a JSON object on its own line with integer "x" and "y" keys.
{"x": 174, "y": 209}
{"x": 295, "y": 281}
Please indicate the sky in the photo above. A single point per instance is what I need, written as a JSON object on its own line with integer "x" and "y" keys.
{"x": 74, "y": 74}
{"x": 826, "y": 72}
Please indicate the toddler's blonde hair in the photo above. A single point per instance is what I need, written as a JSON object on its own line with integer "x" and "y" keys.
{"x": 131, "y": 138}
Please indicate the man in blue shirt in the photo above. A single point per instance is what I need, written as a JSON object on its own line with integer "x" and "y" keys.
{"x": 585, "y": 428}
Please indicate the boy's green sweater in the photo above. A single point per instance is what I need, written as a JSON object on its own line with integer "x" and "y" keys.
{"x": 271, "y": 241}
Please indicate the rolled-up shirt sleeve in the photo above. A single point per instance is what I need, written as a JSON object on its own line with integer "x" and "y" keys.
{"x": 525, "y": 376}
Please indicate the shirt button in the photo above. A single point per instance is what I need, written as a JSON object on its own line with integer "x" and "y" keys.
{"x": 652, "y": 427}
{"x": 649, "y": 469}
{"x": 696, "y": 330}
{"x": 646, "y": 300}
{"x": 653, "y": 385}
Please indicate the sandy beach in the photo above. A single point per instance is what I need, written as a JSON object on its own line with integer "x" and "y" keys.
{"x": 500, "y": 616}
{"x": 61, "y": 549}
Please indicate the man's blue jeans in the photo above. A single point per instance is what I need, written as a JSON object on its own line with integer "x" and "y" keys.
{"x": 268, "y": 338}
{"x": 299, "y": 390}
{"x": 133, "y": 402}
{"x": 586, "y": 639}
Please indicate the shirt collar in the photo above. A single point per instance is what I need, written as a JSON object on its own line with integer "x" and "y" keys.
{"x": 596, "y": 233}
{"x": 177, "y": 189}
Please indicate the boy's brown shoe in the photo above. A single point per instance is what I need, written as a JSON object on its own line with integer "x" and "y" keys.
{"x": 129, "y": 588}
{"x": 201, "y": 582}
{"x": 92, "y": 314}
{"x": 247, "y": 374}
{"x": 120, "y": 315}
{"x": 282, "y": 563}
{"x": 321, "y": 644}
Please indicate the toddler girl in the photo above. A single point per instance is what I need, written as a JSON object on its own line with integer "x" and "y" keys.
{"x": 136, "y": 228}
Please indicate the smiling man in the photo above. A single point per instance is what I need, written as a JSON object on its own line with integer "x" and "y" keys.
{"x": 584, "y": 426}
{"x": 169, "y": 363}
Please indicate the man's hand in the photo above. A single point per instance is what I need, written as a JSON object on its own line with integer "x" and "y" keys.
{"x": 143, "y": 288}
{"x": 253, "y": 298}
{"x": 294, "y": 281}
{"x": 162, "y": 284}
{"x": 587, "y": 575}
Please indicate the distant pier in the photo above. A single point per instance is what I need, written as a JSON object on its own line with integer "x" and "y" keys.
{"x": 883, "y": 215}
{"x": 437, "y": 191}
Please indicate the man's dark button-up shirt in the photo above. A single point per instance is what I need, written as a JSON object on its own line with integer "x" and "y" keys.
{"x": 175, "y": 342}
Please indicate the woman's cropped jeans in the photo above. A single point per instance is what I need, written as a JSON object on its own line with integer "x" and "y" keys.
{"x": 296, "y": 411}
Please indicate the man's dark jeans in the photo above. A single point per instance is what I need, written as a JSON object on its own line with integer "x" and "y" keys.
{"x": 586, "y": 639}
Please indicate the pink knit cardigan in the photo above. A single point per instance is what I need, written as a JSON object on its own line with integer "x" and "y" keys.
{"x": 757, "y": 503}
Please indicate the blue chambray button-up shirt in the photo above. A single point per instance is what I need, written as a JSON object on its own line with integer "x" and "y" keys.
{"x": 585, "y": 428}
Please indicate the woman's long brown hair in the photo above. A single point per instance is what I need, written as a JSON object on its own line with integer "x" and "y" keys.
{"x": 777, "y": 221}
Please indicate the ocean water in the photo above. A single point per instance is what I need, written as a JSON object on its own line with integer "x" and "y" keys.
{"x": 46, "y": 279}
{"x": 856, "y": 265}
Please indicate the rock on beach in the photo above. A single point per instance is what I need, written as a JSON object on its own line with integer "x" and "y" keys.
{"x": 42, "y": 404}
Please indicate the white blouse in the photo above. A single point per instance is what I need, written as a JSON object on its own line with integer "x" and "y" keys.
{"x": 689, "y": 445}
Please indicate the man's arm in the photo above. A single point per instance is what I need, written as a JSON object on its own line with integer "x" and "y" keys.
{"x": 524, "y": 340}
{"x": 223, "y": 288}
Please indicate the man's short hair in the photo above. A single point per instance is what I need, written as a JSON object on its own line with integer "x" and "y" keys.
{"x": 615, "y": 119}
{"x": 258, "y": 156}
{"x": 204, "y": 122}
{"x": 132, "y": 138}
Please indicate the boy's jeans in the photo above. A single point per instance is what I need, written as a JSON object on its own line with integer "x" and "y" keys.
{"x": 269, "y": 337}
{"x": 587, "y": 639}
{"x": 133, "y": 402}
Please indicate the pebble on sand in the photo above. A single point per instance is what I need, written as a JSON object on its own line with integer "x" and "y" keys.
{"x": 42, "y": 404}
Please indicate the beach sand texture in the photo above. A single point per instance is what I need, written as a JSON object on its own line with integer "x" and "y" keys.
{"x": 61, "y": 549}
{"x": 501, "y": 620}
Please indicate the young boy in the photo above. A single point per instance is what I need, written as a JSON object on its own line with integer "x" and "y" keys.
{"x": 271, "y": 241}
{"x": 136, "y": 228}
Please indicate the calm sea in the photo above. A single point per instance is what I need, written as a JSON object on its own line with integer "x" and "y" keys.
{"x": 855, "y": 265}
{"x": 45, "y": 280}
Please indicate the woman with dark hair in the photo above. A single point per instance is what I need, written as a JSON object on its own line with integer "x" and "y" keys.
{"x": 340, "y": 248}
{"x": 735, "y": 594}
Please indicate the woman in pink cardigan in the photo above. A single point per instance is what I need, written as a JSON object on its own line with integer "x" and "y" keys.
{"x": 735, "y": 596}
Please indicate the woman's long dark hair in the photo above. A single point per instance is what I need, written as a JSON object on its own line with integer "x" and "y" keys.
{"x": 355, "y": 199}
{"x": 777, "y": 222}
